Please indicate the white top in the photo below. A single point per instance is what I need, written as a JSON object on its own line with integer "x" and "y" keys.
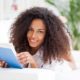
{"x": 55, "y": 65}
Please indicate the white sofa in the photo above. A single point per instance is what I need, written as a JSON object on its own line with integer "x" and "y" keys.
{"x": 26, "y": 74}
{"x": 37, "y": 74}
{"x": 74, "y": 75}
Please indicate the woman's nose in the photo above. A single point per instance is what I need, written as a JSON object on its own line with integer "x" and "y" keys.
{"x": 34, "y": 35}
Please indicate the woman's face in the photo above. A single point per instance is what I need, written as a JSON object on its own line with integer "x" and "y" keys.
{"x": 36, "y": 33}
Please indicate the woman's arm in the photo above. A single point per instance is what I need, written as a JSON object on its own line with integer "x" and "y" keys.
{"x": 69, "y": 58}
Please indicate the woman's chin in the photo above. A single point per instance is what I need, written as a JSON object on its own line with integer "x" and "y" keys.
{"x": 33, "y": 46}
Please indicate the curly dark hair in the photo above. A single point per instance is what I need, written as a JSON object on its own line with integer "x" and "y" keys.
{"x": 56, "y": 42}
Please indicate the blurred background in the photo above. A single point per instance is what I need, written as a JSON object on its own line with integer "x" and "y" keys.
{"x": 67, "y": 10}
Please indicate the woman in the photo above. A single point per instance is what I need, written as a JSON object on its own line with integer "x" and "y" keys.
{"x": 41, "y": 39}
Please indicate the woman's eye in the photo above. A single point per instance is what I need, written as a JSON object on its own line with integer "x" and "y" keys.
{"x": 40, "y": 31}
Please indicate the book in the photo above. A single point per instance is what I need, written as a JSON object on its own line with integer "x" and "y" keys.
{"x": 8, "y": 54}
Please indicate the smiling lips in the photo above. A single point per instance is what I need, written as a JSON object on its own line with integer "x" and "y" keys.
{"x": 32, "y": 41}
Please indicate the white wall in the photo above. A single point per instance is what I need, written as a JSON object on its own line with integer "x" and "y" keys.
{"x": 4, "y": 30}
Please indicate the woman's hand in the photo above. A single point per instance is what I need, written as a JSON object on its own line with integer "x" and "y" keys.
{"x": 3, "y": 64}
{"x": 26, "y": 58}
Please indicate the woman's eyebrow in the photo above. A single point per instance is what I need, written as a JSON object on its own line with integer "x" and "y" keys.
{"x": 37, "y": 29}
{"x": 33, "y": 27}
{"x": 42, "y": 29}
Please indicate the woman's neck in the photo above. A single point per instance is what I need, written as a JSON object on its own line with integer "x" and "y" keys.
{"x": 33, "y": 51}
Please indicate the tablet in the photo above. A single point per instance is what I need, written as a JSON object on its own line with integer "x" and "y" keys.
{"x": 8, "y": 54}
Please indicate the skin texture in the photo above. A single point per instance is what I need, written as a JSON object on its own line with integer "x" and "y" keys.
{"x": 36, "y": 33}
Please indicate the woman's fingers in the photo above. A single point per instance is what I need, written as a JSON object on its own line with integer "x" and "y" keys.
{"x": 22, "y": 57}
{"x": 26, "y": 58}
{"x": 3, "y": 63}
{"x": 23, "y": 61}
{"x": 0, "y": 64}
